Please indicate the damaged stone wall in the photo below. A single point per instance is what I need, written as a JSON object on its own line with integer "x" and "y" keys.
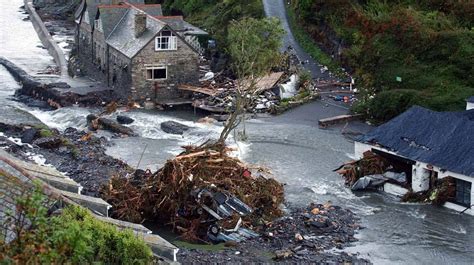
{"x": 182, "y": 68}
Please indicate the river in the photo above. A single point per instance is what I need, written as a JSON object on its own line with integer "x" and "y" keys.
{"x": 291, "y": 145}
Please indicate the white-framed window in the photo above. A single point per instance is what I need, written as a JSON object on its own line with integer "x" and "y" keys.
{"x": 156, "y": 73}
{"x": 166, "y": 41}
{"x": 98, "y": 25}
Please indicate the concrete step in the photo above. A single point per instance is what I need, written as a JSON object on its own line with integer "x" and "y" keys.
{"x": 96, "y": 205}
{"x": 65, "y": 184}
{"x": 138, "y": 228}
{"x": 48, "y": 174}
{"x": 160, "y": 246}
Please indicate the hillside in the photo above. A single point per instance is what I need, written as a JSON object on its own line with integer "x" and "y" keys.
{"x": 401, "y": 52}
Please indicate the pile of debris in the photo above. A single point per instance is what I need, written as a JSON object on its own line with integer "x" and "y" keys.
{"x": 370, "y": 164}
{"x": 373, "y": 171}
{"x": 443, "y": 191}
{"x": 203, "y": 193}
{"x": 217, "y": 91}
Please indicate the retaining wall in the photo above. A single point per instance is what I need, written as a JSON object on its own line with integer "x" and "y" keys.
{"x": 46, "y": 38}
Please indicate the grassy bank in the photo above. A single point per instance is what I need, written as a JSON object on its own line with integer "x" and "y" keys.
{"x": 402, "y": 52}
{"x": 308, "y": 44}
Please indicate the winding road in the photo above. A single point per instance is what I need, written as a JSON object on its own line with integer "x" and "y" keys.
{"x": 276, "y": 8}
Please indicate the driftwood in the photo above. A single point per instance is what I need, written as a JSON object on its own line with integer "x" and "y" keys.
{"x": 164, "y": 197}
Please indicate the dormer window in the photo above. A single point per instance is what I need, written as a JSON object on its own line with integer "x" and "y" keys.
{"x": 166, "y": 41}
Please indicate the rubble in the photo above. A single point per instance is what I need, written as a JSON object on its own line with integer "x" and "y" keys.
{"x": 372, "y": 171}
{"x": 48, "y": 142}
{"x": 370, "y": 164}
{"x": 304, "y": 235}
{"x": 166, "y": 196}
{"x": 271, "y": 94}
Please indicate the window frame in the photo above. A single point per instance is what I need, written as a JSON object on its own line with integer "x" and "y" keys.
{"x": 465, "y": 189}
{"x": 152, "y": 69}
{"x": 171, "y": 40}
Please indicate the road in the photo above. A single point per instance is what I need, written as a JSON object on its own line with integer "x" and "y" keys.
{"x": 276, "y": 8}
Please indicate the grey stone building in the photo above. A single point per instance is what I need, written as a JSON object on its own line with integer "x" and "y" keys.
{"x": 135, "y": 50}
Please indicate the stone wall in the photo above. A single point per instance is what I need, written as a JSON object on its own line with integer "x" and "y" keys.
{"x": 182, "y": 66}
{"x": 88, "y": 55}
{"x": 120, "y": 76}
{"x": 46, "y": 38}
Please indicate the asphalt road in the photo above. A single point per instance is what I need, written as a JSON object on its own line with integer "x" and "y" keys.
{"x": 276, "y": 8}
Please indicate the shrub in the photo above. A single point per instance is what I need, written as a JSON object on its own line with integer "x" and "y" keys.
{"x": 73, "y": 237}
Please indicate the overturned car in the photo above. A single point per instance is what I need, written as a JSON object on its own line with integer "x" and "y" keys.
{"x": 222, "y": 213}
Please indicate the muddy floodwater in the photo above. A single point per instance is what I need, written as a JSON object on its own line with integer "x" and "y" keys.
{"x": 291, "y": 145}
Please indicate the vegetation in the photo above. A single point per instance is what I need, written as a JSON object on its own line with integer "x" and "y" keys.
{"x": 214, "y": 16}
{"x": 309, "y": 44}
{"x": 254, "y": 49}
{"x": 73, "y": 237}
{"x": 402, "y": 52}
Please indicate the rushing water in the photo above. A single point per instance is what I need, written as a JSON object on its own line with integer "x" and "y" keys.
{"x": 298, "y": 152}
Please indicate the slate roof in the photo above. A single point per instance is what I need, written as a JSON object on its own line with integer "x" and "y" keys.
{"x": 470, "y": 100}
{"x": 443, "y": 139}
{"x": 110, "y": 16}
{"x": 92, "y": 6}
{"x": 152, "y": 10}
{"x": 123, "y": 37}
{"x": 177, "y": 23}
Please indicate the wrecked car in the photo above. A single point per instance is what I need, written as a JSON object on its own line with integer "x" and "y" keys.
{"x": 222, "y": 212}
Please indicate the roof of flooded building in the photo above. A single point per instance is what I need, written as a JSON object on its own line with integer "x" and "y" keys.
{"x": 118, "y": 23}
{"x": 93, "y": 5}
{"x": 470, "y": 100}
{"x": 443, "y": 139}
{"x": 123, "y": 37}
{"x": 110, "y": 17}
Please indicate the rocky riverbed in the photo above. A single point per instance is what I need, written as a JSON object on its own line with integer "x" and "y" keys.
{"x": 315, "y": 234}
{"x": 79, "y": 154}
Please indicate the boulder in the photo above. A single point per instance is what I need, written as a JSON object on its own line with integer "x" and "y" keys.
{"x": 29, "y": 135}
{"x": 94, "y": 123}
{"x": 114, "y": 126}
{"x": 173, "y": 127}
{"x": 124, "y": 119}
{"x": 48, "y": 142}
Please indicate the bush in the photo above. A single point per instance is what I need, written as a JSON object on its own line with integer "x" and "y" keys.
{"x": 74, "y": 237}
{"x": 388, "y": 104}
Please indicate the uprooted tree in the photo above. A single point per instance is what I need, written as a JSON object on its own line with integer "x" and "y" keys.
{"x": 254, "y": 49}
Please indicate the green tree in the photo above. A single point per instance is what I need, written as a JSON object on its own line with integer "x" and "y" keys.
{"x": 254, "y": 48}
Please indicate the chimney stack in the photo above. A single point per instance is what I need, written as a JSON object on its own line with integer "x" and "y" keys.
{"x": 140, "y": 24}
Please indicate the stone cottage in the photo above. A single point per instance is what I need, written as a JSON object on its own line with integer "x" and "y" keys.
{"x": 428, "y": 146}
{"x": 134, "y": 49}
